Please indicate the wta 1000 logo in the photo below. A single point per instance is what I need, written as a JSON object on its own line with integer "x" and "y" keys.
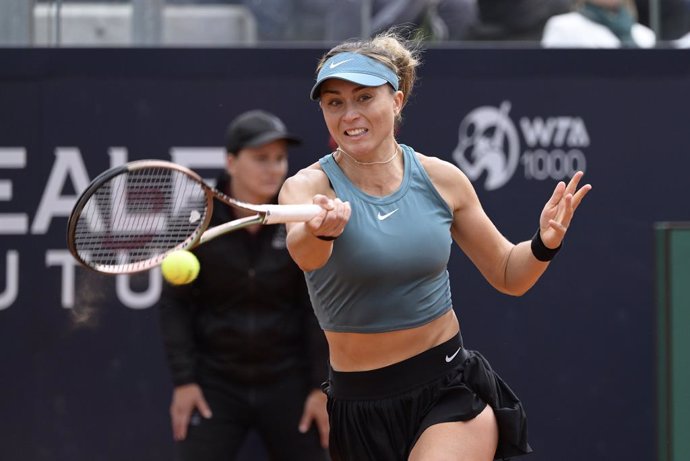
{"x": 490, "y": 145}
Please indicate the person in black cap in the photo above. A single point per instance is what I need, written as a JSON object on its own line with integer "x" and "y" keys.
{"x": 243, "y": 346}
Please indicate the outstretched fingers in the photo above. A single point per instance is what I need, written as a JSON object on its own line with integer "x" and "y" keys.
{"x": 562, "y": 221}
{"x": 578, "y": 194}
{"x": 560, "y": 209}
{"x": 557, "y": 196}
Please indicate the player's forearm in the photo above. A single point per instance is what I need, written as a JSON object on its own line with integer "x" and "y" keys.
{"x": 522, "y": 270}
{"x": 308, "y": 251}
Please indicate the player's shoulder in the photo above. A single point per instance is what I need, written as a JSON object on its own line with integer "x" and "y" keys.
{"x": 439, "y": 169}
{"x": 449, "y": 180}
{"x": 304, "y": 184}
{"x": 310, "y": 175}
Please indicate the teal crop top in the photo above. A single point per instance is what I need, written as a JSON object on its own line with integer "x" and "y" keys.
{"x": 388, "y": 269}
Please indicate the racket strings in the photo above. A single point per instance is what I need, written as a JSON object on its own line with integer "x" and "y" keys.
{"x": 135, "y": 218}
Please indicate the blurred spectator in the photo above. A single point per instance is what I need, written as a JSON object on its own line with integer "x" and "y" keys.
{"x": 458, "y": 17}
{"x": 683, "y": 42}
{"x": 674, "y": 18}
{"x": 515, "y": 20}
{"x": 279, "y": 20}
{"x": 337, "y": 20}
{"x": 293, "y": 20}
{"x": 598, "y": 24}
{"x": 436, "y": 19}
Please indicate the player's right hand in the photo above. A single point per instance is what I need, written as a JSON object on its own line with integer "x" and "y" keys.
{"x": 333, "y": 221}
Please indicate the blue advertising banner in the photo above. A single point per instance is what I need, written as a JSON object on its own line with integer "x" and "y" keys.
{"x": 83, "y": 374}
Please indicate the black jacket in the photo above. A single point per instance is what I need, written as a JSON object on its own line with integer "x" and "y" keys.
{"x": 247, "y": 317}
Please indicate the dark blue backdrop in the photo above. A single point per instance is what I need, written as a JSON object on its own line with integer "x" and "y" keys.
{"x": 82, "y": 373}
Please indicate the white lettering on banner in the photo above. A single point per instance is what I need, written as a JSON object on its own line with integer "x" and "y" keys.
{"x": 68, "y": 163}
{"x": 132, "y": 222}
{"x": 12, "y": 223}
{"x": 556, "y": 131}
{"x": 9, "y": 294}
{"x": 200, "y": 157}
{"x": 118, "y": 156}
{"x": 139, "y": 300}
{"x": 541, "y": 164}
{"x": 137, "y": 221}
{"x": 64, "y": 259}
{"x": 93, "y": 217}
{"x": 81, "y": 290}
{"x": 489, "y": 144}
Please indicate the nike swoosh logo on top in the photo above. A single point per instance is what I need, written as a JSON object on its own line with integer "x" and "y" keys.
{"x": 450, "y": 359}
{"x": 333, "y": 65}
{"x": 387, "y": 215}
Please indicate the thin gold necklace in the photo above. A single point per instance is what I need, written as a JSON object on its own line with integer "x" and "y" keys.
{"x": 383, "y": 162}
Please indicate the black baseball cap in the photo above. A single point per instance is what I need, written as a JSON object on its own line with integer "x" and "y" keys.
{"x": 255, "y": 128}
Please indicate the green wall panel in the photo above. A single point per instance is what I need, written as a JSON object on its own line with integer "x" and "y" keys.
{"x": 673, "y": 340}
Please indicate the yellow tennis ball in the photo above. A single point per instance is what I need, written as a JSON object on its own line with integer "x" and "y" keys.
{"x": 180, "y": 267}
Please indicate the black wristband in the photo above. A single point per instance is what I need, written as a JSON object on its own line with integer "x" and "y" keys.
{"x": 327, "y": 238}
{"x": 540, "y": 251}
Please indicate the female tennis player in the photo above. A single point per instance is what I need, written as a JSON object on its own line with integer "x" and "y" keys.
{"x": 401, "y": 384}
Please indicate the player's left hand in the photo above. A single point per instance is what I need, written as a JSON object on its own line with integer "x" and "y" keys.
{"x": 558, "y": 212}
{"x": 315, "y": 411}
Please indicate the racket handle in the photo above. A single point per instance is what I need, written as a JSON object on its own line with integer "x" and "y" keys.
{"x": 290, "y": 213}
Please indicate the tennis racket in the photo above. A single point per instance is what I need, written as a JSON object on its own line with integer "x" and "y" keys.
{"x": 132, "y": 216}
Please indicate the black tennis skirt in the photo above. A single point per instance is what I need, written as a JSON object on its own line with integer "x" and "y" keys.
{"x": 378, "y": 415}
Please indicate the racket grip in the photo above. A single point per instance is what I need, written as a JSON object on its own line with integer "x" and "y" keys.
{"x": 276, "y": 214}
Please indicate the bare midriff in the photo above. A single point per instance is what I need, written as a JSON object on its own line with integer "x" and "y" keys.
{"x": 368, "y": 351}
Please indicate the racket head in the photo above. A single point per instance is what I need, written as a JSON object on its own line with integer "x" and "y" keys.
{"x": 130, "y": 217}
